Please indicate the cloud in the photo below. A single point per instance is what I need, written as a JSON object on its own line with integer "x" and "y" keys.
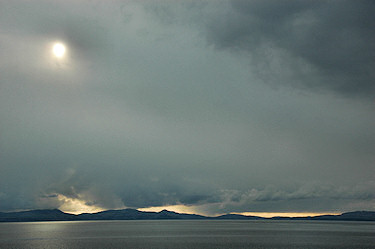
{"x": 300, "y": 198}
{"x": 163, "y": 104}
{"x": 319, "y": 45}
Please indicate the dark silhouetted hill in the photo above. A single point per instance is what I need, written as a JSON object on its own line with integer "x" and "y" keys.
{"x": 37, "y": 215}
{"x": 133, "y": 214}
{"x": 237, "y": 217}
{"x": 350, "y": 216}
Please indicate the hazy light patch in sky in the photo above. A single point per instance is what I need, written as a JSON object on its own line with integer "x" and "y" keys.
{"x": 59, "y": 50}
{"x": 60, "y": 62}
{"x": 76, "y": 206}
{"x": 284, "y": 214}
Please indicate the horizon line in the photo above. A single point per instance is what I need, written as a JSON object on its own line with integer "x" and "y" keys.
{"x": 257, "y": 214}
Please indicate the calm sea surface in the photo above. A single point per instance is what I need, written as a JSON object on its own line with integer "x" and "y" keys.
{"x": 188, "y": 234}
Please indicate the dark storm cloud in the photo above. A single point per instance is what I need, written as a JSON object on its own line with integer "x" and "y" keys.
{"x": 323, "y": 44}
{"x": 144, "y": 111}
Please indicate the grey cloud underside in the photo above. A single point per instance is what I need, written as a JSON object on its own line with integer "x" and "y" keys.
{"x": 146, "y": 112}
{"x": 324, "y": 44}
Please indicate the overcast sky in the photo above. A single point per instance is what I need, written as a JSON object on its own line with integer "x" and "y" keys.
{"x": 222, "y": 106}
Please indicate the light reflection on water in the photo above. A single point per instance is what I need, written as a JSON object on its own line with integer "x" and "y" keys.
{"x": 188, "y": 234}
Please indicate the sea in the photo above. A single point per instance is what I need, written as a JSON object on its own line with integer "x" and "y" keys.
{"x": 188, "y": 234}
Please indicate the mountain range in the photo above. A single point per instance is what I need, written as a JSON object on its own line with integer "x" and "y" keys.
{"x": 133, "y": 214}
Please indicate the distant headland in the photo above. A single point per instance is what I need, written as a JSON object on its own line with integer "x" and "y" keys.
{"x": 133, "y": 214}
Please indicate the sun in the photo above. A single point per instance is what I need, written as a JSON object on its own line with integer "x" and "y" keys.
{"x": 59, "y": 50}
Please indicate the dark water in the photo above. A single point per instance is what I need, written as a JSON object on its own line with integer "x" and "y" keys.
{"x": 188, "y": 234}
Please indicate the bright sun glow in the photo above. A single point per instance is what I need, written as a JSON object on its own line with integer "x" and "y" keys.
{"x": 76, "y": 206}
{"x": 59, "y": 50}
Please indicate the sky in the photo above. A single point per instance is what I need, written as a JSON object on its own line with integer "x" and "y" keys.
{"x": 207, "y": 107}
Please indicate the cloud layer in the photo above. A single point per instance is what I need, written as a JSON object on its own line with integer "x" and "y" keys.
{"x": 313, "y": 44}
{"x": 224, "y": 107}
